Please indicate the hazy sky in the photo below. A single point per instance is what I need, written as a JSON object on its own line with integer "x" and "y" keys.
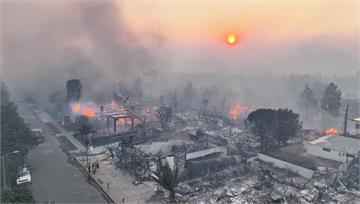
{"x": 50, "y": 41}
{"x": 207, "y": 21}
{"x": 275, "y": 35}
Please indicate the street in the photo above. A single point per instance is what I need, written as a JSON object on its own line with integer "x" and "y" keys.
{"x": 53, "y": 178}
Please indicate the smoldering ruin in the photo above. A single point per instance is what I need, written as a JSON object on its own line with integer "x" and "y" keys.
{"x": 226, "y": 136}
{"x": 219, "y": 152}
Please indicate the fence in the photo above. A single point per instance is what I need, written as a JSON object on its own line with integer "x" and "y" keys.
{"x": 205, "y": 152}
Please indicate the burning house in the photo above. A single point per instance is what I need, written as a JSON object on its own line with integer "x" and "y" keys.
{"x": 334, "y": 147}
{"x": 214, "y": 147}
{"x": 190, "y": 151}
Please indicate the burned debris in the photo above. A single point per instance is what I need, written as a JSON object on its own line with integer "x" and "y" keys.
{"x": 195, "y": 153}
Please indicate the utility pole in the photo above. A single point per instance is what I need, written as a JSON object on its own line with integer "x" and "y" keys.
{"x": 175, "y": 101}
{"x": 359, "y": 168}
{"x": 85, "y": 134}
{"x": 87, "y": 149}
{"x": 345, "y": 120}
{"x": 3, "y": 171}
{"x": 132, "y": 129}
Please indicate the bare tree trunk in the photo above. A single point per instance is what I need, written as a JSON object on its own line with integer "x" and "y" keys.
{"x": 172, "y": 196}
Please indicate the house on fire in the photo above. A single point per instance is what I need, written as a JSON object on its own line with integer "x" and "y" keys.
{"x": 334, "y": 147}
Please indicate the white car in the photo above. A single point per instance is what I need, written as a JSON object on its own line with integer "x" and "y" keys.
{"x": 24, "y": 176}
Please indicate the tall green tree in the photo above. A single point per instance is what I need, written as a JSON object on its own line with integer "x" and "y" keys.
{"x": 287, "y": 125}
{"x": 16, "y": 195}
{"x": 4, "y": 93}
{"x": 274, "y": 127}
{"x": 331, "y": 100}
{"x": 15, "y": 136}
{"x": 168, "y": 178}
{"x": 262, "y": 124}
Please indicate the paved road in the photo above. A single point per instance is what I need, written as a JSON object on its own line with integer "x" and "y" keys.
{"x": 54, "y": 179}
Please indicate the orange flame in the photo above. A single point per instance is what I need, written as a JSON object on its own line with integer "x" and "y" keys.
{"x": 147, "y": 110}
{"x": 121, "y": 121}
{"x": 76, "y": 108}
{"x": 88, "y": 112}
{"x": 330, "y": 131}
{"x": 113, "y": 103}
{"x": 236, "y": 110}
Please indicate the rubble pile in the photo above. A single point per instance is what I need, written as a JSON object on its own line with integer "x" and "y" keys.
{"x": 257, "y": 185}
{"x": 239, "y": 138}
{"x": 212, "y": 147}
{"x": 189, "y": 119}
{"x": 350, "y": 178}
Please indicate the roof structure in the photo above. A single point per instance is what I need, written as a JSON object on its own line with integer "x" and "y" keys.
{"x": 115, "y": 112}
{"x": 340, "y": 143}
{"x": 356, "y": 120}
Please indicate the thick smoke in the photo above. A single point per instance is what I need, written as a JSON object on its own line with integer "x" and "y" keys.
{"x": 45, "y": 43}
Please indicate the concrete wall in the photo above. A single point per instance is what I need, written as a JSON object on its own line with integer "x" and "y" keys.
{"x": 202, "y": 153}
{"x": 332, "y": 155}
{"x": 198, "y": 168}
{"x": 155, "y": 147}
{"x": 307, "y": 173}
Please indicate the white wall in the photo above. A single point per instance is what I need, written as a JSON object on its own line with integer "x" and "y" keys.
{"x": 307, "y": 173}
{"x": 155, "y": 147}
{"x": 332, "y": 155}
{"x": 171, "y": 161}
{"x": 202, "y": 153}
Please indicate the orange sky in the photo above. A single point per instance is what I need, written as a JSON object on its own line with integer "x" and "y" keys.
{"x": 207, "y": 20}
{"x": 277, "y": 36}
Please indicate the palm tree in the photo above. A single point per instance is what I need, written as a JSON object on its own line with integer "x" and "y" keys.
{"x": 168, "y": 178}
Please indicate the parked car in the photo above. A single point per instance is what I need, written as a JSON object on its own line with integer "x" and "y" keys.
{"x": 23, "y": 176}
{"x": 39, "y": 135}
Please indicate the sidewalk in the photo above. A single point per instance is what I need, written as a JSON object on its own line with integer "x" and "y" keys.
{"x": 120, "y": 185}
{"x": 46, "y": 118}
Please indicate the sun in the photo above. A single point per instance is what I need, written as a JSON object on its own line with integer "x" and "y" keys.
{"x": 231, "y": 39}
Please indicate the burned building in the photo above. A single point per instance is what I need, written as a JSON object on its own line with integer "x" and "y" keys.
{"x": 121, "y": 99}
{"x": 334, "y": 147}
{"x": 165, "y": 116}
{"x": 73, "y": 90}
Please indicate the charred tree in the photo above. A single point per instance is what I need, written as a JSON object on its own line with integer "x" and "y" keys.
{"x": 331, "y": 101}
{"x": 165, "y": 117}
{"x": 204, "y": 108}
{"x": 138, "y": 88}
{"x": 308, "y": 102}
{"x": 121, "y": 99}
{"x": 188, "y": 93}
{"x": 4, "y": 95}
